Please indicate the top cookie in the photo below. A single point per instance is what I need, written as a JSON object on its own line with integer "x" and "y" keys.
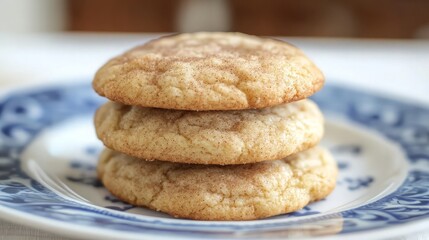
{"x": 209, "y": 71}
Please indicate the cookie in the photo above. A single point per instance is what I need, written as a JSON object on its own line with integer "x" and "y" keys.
{"x": 210, "y": 137}
{"x": 212, "y": 192}
{"x": 209, "y": 71}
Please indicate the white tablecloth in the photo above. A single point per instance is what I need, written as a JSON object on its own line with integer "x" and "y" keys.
{"x": 399, "y": 69}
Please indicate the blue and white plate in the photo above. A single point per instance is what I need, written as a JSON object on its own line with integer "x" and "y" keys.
{"x": 48, "y": 154}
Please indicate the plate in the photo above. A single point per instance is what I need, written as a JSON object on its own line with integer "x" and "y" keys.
{"x": 48, "y": 155}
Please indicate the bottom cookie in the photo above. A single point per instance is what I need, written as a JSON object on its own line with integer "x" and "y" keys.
{"x": 211, "y": 192}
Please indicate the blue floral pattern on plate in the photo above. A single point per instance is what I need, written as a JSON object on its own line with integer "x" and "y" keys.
{"x": 23, "y": 115}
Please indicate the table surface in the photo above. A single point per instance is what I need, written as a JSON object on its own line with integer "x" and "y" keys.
{"x": 395, "y": 68}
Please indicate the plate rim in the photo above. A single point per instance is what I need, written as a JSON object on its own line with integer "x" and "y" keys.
{"x": 71, "y": 230}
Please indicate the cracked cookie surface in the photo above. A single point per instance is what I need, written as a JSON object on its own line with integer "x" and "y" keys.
{"x": 209, "y": 71}
{"x": 211, "y": 192}
{"x": 210, "y": 137}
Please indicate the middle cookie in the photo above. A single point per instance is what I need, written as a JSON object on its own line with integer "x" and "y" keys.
{"x": 210, "y": 137}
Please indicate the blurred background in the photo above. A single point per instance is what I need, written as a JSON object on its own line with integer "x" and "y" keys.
{"x": 323, "y": 18}
{"x": 341, "y": 36}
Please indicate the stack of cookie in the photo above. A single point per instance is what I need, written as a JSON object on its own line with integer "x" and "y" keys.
{"x": 213, "y": 126}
